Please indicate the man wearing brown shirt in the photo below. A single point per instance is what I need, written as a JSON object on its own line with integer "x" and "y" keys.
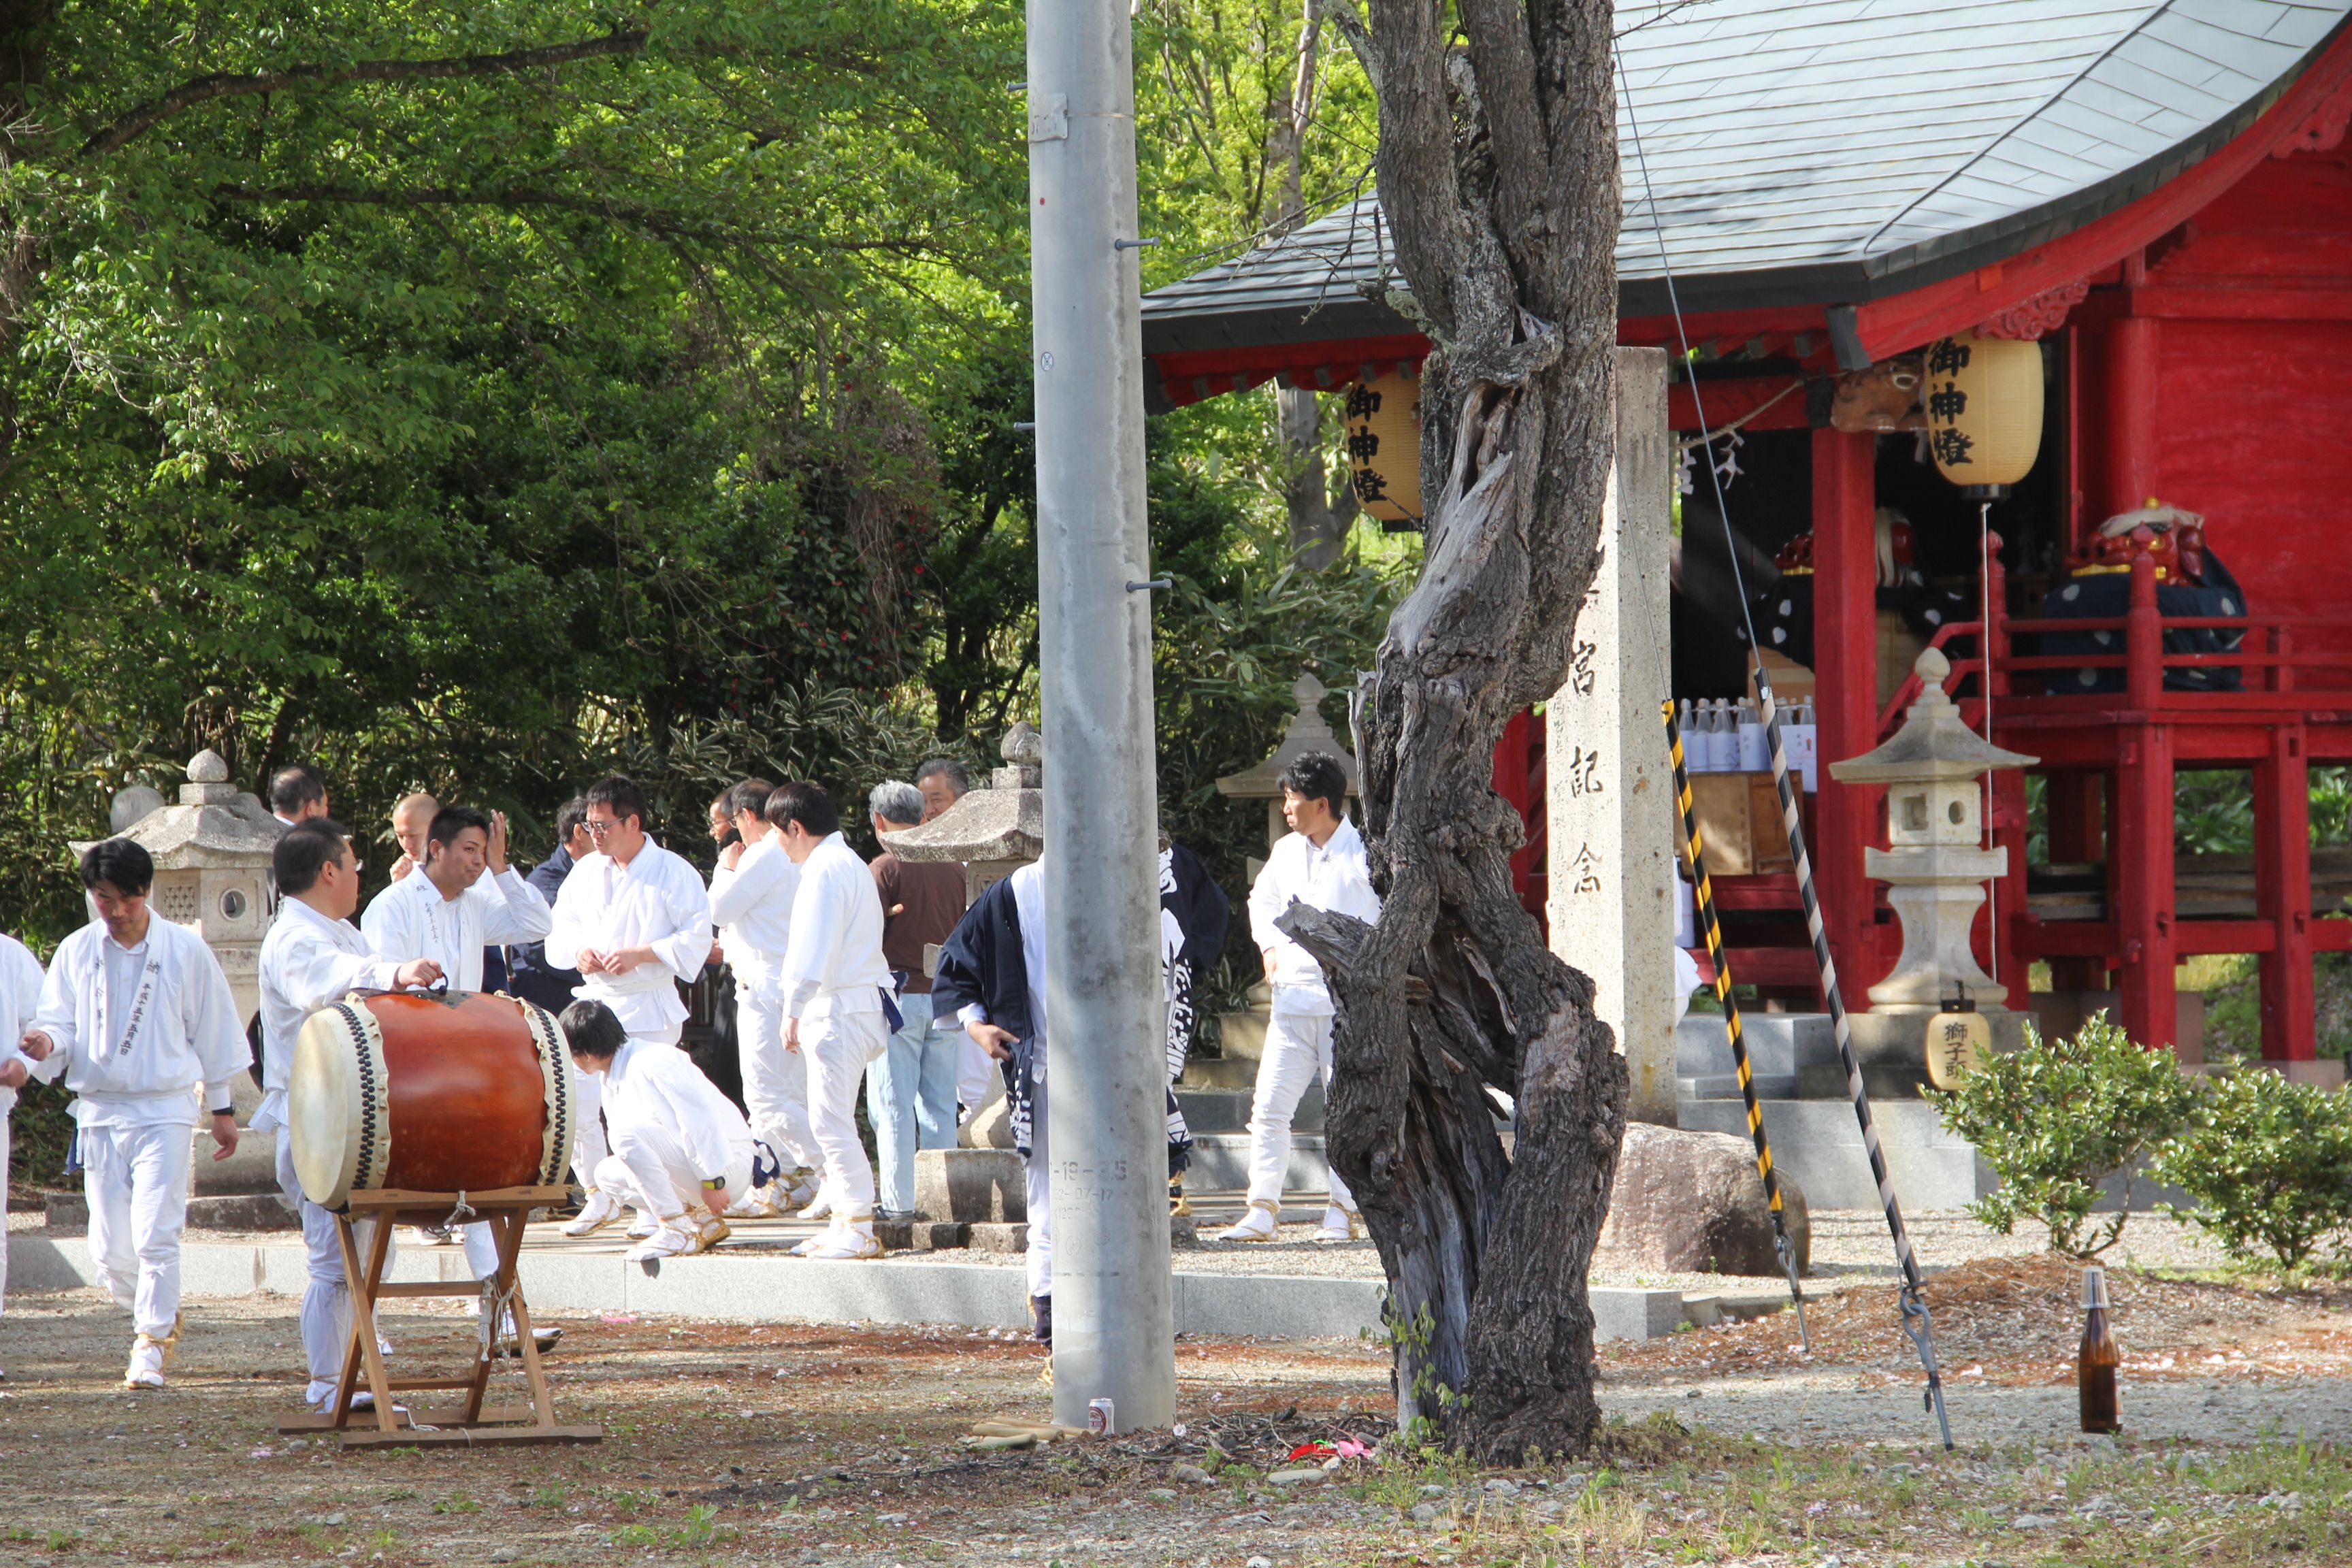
{"x": 910, "y": 1090}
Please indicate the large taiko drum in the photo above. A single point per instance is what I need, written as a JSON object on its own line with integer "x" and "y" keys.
{"x": 463, "y": 1092}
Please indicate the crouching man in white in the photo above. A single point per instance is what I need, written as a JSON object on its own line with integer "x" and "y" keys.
{"x": 634, "y": 919}
{"x": 835, "y": 988}
{"x": 679, "y": 1144}
{"x": 312, "y": 956}
{"x": 136, "y": 1013}
{"x": 1320, "y": 863}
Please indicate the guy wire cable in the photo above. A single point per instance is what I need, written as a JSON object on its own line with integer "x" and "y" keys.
{"x": 1917, "y": 1325}
{"x": 1704, "y": 895}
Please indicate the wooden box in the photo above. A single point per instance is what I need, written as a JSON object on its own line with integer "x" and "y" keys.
{"x": 1740, "y": 825}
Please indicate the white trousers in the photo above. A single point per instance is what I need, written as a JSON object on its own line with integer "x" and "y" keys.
{"x": 136, "y": 1182}
{"x": 589, "y": 1149}
{"x": 4, "y": 1208}
{"x": 1298, "y": 1045}
{"x": 327, "y": 1295}
{"x": 837, "y": 1047}
{"x": 1037, "y": 1176}
{"x": 649, "y": 1170}
{"x": 775, "y": 1081}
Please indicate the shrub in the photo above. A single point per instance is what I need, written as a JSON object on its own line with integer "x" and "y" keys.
{"x": 2056, "y": 1118}
{"x": 2269, "y": 1163}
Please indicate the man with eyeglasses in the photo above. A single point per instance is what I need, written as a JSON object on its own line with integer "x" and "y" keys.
{"x": 635, "y": 921}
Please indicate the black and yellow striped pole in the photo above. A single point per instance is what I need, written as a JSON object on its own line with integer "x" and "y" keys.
{"x": 1917, "y": 1325}
{"x": 1706, "y": 893}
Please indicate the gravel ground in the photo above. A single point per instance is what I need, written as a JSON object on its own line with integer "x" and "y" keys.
{"x": 758, "y": 1446}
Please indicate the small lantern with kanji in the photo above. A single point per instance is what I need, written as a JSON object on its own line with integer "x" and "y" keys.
{"x": 1384, "y": 446}
{"x": 1983, "y": 399}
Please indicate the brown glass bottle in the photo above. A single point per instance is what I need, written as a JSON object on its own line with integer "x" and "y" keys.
{"x": 2094, "y": 1364}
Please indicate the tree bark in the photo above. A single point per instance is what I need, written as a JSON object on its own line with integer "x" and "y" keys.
{"x": 1499, "y": 177}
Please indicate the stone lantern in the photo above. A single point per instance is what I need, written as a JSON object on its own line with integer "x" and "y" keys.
{"x": 1306, "y": 733}
{"x": 212, "y": 855}
{"x": 1933, "y": 769}
{"x": 992, "y": 832}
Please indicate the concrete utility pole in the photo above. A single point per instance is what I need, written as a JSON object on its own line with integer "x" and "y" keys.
{"x": 1106, "y": 1092}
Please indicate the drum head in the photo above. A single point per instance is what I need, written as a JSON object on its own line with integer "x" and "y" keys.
{"x": 326, "y": 1109}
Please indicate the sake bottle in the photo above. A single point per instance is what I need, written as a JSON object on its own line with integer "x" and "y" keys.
{"x": 1749, "y": 726}
{"x": 1798, "y": 740}
{"x": 2095, "y": 1362}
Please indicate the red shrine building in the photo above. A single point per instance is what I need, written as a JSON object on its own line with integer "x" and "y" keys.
{"x": 2157, "y": 199}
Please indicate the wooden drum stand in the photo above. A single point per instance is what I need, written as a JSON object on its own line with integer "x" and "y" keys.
{"x": 471, "y": 1421}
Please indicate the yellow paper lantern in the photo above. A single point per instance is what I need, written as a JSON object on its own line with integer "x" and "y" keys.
{"x": 1983, "y": 401}
{"x": 1384, "y": 445}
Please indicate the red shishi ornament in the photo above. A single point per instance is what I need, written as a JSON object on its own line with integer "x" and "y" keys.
{"x": 2173, "y": 539}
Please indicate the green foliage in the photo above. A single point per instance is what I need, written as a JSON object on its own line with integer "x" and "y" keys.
{"x": 2268, "y": 1163}
{"x": 2056, "y": 1118}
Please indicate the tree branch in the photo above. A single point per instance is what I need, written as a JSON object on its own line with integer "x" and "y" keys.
{"x": 1343, "y": 15}
{"x": 223, "y": 84}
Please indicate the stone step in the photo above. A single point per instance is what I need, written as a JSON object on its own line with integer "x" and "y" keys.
{"x": 1227, "y": 1108}
{"x": 1222, "y": 1159}
{"x": 68, "y": 1214}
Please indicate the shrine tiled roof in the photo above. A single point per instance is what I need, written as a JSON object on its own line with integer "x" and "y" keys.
{"x": 1807, "y": 151}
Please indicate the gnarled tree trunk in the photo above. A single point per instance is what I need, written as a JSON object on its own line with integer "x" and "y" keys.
{"x": 1498, "y": 176}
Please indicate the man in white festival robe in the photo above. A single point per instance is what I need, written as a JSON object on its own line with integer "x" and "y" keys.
{"x": 1320, "y": 863}
{"x": 679, "y": 1144}
{"x": 20, "y": 999}
{"x": 137, "y": 1016}
{"x": 464, "y": 895}
{"x": 752, "y": 899}
{"x": 635, "y": 920}
{"x": 312, "y": 958}
{"x": 839, "y": 1009}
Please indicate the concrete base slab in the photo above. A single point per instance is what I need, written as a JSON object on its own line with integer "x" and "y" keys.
{"x": 1818, "y": 1141}
{"x": 763, "y": 1285}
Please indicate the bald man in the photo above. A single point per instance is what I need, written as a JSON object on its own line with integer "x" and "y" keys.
{"x": 412, "y": 821}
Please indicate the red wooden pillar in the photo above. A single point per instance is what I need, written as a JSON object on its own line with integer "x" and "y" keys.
{"x": 2131, "y": 445}
{"x": 2141, "y": 839}
{"x": 2283, "y": 896}
{"x": 1845, "y": 671}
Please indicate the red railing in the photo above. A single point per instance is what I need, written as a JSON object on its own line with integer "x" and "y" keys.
{"x": 2141, "y": 656}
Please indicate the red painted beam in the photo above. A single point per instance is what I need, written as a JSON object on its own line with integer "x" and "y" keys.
{"x": 1782, "y": 398}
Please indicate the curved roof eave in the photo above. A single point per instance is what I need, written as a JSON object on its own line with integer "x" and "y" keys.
{"x": 1832, "y": 192}
{"x": 1915, "y": 266}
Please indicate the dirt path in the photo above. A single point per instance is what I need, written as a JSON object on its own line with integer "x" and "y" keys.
{"x": 733, "y": 1444}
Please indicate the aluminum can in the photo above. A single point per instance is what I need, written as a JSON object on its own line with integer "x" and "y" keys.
{"x": 1099, "y": 1415}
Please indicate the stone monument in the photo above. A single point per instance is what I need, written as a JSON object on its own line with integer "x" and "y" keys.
{"x": 1609, "y": 895}
{"x": 212, "y": 875}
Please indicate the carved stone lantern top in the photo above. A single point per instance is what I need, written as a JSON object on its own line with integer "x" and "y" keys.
{"x": 1001, "y": 824}
{"x": 215, "y": 824}
{"x": 1306, "y": 733}
{"x": 1933, "y": 744}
